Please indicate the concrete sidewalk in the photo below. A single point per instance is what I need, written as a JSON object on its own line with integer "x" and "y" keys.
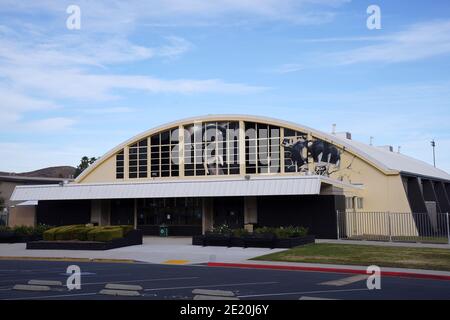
{"x": 176, "y": 250}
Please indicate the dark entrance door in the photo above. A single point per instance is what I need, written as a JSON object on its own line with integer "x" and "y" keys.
{"x": 122, "y": 212}
{"x": 229, "y": 211}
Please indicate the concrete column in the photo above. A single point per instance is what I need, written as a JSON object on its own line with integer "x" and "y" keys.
{"x": 311, "y": 164}
{"x": 242, "y": 147}
{"x": 181, "y": 150}
{"x": 441, "y": 195}
{"x": 281, "y": 150}
{"x": 250, "y": 210}
{"x": 106, "y": 213}
{"x": 96, "y": 211}
{"x": 415, "y": 196}
{"x": 207, "y": 214}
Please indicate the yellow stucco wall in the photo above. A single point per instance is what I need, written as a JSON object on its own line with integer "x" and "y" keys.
{"x": 106, "y": 172}
{"x": 380, "y": 192}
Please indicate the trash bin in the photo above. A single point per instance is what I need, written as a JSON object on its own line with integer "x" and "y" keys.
{"x": 163, "y": 231}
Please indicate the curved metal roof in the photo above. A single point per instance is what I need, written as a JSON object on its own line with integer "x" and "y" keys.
{"x": 390, "y": 163}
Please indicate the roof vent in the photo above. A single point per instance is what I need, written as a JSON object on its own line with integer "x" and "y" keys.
{"x": 344, "y": 135}
{"x": 387, "y": 148}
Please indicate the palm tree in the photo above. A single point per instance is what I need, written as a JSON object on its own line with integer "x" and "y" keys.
{"x": 84, "y": 164}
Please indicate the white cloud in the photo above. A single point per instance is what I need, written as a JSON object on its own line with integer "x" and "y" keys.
{"x": 111, "y": 16}
{"x": 15, "y": 157}
{"x": 14, "y": 103}
{"x": 109, "y": 110}
{"x": 288, "y": 68}
{"x": 417, "y": 42}
{"x": 77, "y": 66}
{"x": 48, "y": 124}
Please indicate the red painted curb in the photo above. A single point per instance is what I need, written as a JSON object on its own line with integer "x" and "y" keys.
{"x": 331, "y": 270}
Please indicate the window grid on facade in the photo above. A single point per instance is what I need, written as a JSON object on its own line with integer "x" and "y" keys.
{"x": 292, "y": 136}
{"x": 137, "y": 160}
{"x": 262, "y": 148}
{"x": 360, "y": 203}
{"x": 211, "y": 148}
{"x": 349, "y": 203}
{"x": 164, "y": 154}
{"x": 120, "y": 164}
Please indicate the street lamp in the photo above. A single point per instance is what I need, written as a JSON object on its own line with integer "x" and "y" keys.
{"x": 433, "y": 145}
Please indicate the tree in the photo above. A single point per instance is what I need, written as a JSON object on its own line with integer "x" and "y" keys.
{"x": 84, "y": 164}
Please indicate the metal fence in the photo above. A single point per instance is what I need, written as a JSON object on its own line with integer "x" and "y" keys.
{"x": 394, "y": 226}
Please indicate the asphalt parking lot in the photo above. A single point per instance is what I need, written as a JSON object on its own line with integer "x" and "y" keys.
{"x": 168, "y": 282}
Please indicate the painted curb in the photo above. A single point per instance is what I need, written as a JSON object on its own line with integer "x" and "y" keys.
{"x": 400, "y": 274}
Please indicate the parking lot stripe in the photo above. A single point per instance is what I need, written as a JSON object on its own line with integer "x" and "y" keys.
{"x": 141, "y": 280}
{"x": 115, "y": 286}
{"x": 204, "y": 297}
{"x": 125, "y": 293}
{"x": 306, "y": 298}
{"x": 45, "y": 282}
{"x": 207, "y": 292}
{"x": 28, "y": 287}
{"x": 345, "y": 281}
{"x": 55, "y": 296}
{"x": 298, "y": 293}
{"x": 214, "y": 286}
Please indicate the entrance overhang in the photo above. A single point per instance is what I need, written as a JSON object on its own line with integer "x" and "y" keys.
{"x": 211, "y": 187}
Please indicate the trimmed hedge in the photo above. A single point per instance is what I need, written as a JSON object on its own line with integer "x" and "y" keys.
{"x": 280, "y": 232}
{"x": 86, "y": 233}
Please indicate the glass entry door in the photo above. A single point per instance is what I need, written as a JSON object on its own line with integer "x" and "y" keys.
{"x": 229, "y": 211}
{"x": 122, "y": 212}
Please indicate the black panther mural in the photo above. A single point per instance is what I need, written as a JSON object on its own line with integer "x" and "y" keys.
{"x": 325, "y": 156}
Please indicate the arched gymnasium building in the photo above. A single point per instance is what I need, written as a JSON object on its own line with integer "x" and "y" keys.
{"x": 239, "y": 170}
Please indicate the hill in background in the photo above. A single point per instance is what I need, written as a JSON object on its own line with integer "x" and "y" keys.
{"x": 50, "y": 172}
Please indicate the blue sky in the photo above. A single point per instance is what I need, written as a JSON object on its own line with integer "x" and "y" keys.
{"x": 134, "y": 65}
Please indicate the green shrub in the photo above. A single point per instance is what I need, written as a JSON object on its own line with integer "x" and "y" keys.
{"x": 82, "y": 233}
{"x": 86, "y": 233}
{"x": 126, "y": 229}
{"x": 49, "y": 235}
{"x": 104, "y": 234}
{"x": 4, "y": 229}
{"x": 23, "y": 231}
{"x": 283, "y": 232}
{"x": 264, "y": 230}
{"x": 222, "y": 229}
{"x": 40, "y": 229}
{"x": 67, "y": 232}
{"x": 240, "y": 232}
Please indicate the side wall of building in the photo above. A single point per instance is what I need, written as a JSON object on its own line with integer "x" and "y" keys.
{"x": 380, "y": 192}
{"x": 22, "y": 216}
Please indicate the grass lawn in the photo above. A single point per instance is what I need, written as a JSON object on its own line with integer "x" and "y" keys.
{"x": 398, "y": 257}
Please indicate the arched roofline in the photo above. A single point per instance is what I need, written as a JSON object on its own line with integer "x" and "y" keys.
{"x": 242, "y": 117}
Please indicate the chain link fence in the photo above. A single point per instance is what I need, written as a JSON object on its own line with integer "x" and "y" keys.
{"x": 394, "y": 226}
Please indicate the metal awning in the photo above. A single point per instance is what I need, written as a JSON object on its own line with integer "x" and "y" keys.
{"x": 225, "y": 187}
{"x": 28, "y": 203}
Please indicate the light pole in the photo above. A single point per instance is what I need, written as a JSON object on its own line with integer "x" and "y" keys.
{"x": 433, "y": 145}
